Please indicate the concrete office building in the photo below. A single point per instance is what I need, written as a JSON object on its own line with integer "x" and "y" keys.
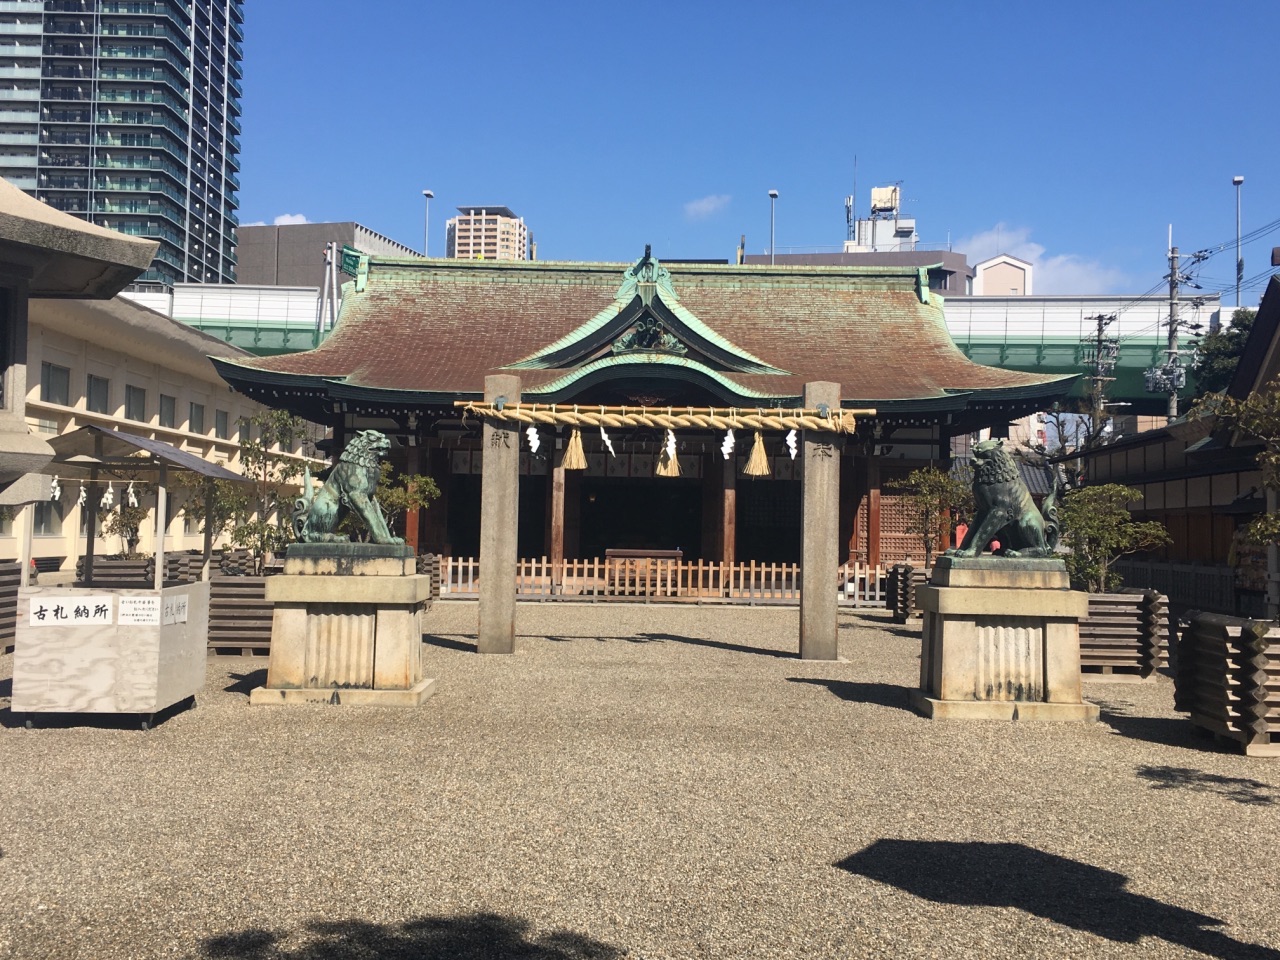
{"x": 292, "y": 254}
{"x": 126, "y": 113}
{"x": 488, "y": 233}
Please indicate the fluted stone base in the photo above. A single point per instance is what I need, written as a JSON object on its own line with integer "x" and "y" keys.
{"x": 1001, "y": 642}
{"x": 347, "y": 628}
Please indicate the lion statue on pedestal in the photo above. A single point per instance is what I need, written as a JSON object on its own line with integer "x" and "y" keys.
{"x": 350, "y": 485}
{"x": 1005, "y": 510}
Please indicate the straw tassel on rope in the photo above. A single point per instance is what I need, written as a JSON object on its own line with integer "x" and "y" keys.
{"x": 668, "y": 463}
{"x": 758, "y": 462}
{"x": 574, "y": 458}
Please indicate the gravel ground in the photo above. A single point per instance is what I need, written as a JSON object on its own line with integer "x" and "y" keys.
{"x": 648, "y": 782}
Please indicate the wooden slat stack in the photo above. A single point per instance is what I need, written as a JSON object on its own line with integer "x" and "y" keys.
{"x": 1125, "y": 634}
{"x": 239, "y": 616}
{"x": 901, "y": 591}
{"x": 1228, "y": 680}
{"x": 10, "y": 577}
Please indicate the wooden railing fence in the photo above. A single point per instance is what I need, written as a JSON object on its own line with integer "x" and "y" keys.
{"x": 642, "y": 579}
{"x": 1228, "y": 680}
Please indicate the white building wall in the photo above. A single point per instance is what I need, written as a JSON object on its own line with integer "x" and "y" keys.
{"x": 159, "y": 361}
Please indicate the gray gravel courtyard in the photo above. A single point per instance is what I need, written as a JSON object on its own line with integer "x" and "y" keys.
{"x": 639, "y": 781}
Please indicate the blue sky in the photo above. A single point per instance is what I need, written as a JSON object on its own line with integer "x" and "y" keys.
{"x": 1073, "y": 133}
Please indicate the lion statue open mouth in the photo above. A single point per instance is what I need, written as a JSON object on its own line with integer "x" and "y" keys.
{"x": 1005, "y": 510}
{"x": 350, "y": 486}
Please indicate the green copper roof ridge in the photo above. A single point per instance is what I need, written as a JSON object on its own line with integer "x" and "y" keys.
{"x": 650, "y": 359}
{"x": 577, "y": 333}
{"x": 627, "y": 293}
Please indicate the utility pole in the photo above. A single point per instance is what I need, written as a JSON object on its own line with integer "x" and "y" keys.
{"x": 1173, "y": 362}
{"x": 1105, "y": 350}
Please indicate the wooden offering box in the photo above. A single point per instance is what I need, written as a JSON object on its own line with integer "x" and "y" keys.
{"x": 109, "y": 649}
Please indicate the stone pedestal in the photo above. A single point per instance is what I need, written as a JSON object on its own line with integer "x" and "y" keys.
{"x": 1001, "y": 642}
{"x": 347, "y": 627}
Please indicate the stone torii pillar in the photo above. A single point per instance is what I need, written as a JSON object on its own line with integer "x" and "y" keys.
{"x": 819, "y": 530}
{"x": 499, "y": 502}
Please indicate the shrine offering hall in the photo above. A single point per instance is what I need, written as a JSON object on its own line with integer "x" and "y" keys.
{"x": 655, "y": 407}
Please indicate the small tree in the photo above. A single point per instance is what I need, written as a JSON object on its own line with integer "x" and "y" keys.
{"x": 272, "y": 476}
{"x": 1256, "y": 416}
{"x": 258, "y": 511}
{"x": 1219, "y": 353}
{"x": 397, "y": 494}
{"x": 1098, "y": 529}
{"x": 933, "y": 496}
{"x": 125, "y": 522}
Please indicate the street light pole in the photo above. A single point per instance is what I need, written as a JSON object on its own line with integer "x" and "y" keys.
{"x": 1238, "y": 181}
{"x": 773, "y": 202}
{"x": 426, "y": 223}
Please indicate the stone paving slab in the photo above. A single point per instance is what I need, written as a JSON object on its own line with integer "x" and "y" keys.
{"x": 639, "y": 781}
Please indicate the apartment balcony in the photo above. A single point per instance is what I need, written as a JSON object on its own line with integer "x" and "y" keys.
{"x": 35, "y": 7}
{"x": 19, "y": 116}
{"x": 18, "y": 160}
{"x": 24, "y": 29}
{"x": 31, "y": 94}
{"x": 22, "y": 51}
{"x": 22, "y": 183}
{"x": 19, "y": 73}
{"x": 63, "y": 183}
{"x": 19, "y": 138}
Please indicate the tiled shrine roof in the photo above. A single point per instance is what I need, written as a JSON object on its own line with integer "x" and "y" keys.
{"x": 419, "y": 331}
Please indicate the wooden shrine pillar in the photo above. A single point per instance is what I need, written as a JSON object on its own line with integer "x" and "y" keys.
{"x": 413, "y": 516}
{"x": 499, "y": 506}
{"x": 819, "y": 530}
{"x": 873, "y": 509}
{"x": 556, "y": 546}
{"x": 729, "y": 510}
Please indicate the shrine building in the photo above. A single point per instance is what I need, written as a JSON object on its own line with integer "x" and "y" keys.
{"x": 415, "y": 338}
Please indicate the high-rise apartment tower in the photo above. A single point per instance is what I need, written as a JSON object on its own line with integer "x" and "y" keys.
{"x": 488, "y": 233}
{"x": 126, "y": 113}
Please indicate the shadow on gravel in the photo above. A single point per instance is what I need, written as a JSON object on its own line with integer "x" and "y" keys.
{"x": 881, "y": 694}
{"x": 100, "y": 721}
{"x": 676, "y": 638}
{"x": 449, "y": 643}
{"x": 1074, "y": 894}
{"x": 1168, "y": 731}
{"x": 6, "y": 687}
{"x": 481, "y": 935}
{"x": 1250, "y": 792}
{"x": 247, "y": 682}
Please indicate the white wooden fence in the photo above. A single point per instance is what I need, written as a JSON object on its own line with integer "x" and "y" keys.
{"x": 647, "y": 579}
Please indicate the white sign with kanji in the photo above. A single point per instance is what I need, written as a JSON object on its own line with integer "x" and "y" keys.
{"x": 175, "y": 609}
{"x": 72, "y": 611}
{"x": 140, "y": 611}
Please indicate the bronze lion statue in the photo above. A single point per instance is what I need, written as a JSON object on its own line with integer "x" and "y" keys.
{"x": 350, "y": 485}
{"x": 1005, "y": 510}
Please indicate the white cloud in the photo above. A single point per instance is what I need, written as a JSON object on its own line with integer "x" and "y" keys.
{"x": 1062, "y": 273}
{"x": 285, "y": 218}
{"x": 707, "y": 206}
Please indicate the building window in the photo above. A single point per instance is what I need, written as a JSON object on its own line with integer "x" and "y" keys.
{"x": 55, "y": 383}
{"x": 221, "y": 424}
{"x": 97, "y": 394}
{"x": 48, "y": 519}
{"x": 135, "y": 403}
{"x": 195, "y": 418}
{"x": 168, "y": 410}
{"x": 6, "y": 522}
